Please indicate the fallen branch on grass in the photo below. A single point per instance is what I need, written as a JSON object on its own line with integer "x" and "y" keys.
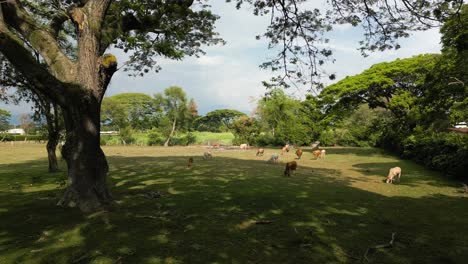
{"x": 148, "y": 216}
{"x": 388, "y": 245}
{"x": 263, "y": 222}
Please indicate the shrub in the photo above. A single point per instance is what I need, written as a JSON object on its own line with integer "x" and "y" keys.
{"x": 113, "y": 141}
{"x": 327, "y": 138}
{"x": 141, "y": 141}
{"x": 103, "y": 140}
{"x": 446, "y": 152}
{"x": 178, "y": 141}
{"x": 155, "y": 138}
{"x": 265, "y": 140}
{"x": 126, "y": 135}
{"x": 191, "y": 138}
{"x": 6, "y": 137}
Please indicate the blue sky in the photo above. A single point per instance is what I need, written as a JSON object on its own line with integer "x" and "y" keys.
{"x": 229, "y": 77}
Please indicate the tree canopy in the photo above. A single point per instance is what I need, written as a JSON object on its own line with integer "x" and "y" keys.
{"x": 173, "y": 101}
{"x": 218, "y": 120}
{"x": 137, "y": 110}
{"x": 4, "y": 119}
{"x": 392, "y": 85}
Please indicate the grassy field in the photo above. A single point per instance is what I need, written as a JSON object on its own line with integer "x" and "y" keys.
{"x": 201, "y": 138}
{"x": 207, "y": 138}
{"x": 234, "y": 208}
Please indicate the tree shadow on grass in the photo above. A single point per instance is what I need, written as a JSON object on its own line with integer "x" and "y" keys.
{"x": 229, "y": 210}
{"x": 412, "y": 174}
{"x": 358, "y": 151}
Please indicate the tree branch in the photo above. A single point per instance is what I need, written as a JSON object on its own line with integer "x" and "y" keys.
{"x": 41, "y": 40}
{"x": 457, "y": 81}
{"x": 13, "y": 49}
{"x": 57, "y": 22}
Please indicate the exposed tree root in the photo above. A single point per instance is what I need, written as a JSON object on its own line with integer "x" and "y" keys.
{"x": 369, "y": 249}
{"x": 90, "y": 202}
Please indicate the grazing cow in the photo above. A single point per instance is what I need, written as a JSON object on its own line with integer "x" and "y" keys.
{"x": 322, "y": 154}
{"x": 207, "y": 155}
{"x": 260, "y": 152}
{"x": 216, "y": 146}
{"x": 299, "y": 153}
{"x": 244, "y": 146}
{"x": 284, "y": 149}
{"x": 317, "y": 153}
{"x": 290, "y": 167}
{"x": 190, "y": 162}
{"x": 273, "y": 159}
{"x": 394, "y": 172}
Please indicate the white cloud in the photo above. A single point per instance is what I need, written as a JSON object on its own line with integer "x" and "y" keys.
{"x": 210, "y": 60}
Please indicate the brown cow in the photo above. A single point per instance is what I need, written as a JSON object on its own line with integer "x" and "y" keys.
{"x": 284, "y": 149}
{"x": 260, "y": 152}
{"x": 299, "y": 153}
{"x": 317, "y": 153}
{"x": 190, "y": 162}
{"x": 394, "y": 172}
{"x": 290, "y": 167}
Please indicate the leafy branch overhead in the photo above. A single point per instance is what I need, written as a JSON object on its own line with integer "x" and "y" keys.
{"x": 298, "y": 32}
{"x": 150, "y": 29}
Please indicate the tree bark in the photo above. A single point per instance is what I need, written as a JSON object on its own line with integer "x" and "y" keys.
{"x": 51, "y": 147}
{"x": 78, "y": 86}
{"x": 86, "y": 162}
{"x": 53, "y": 131}
{"x": 166, "y": 144}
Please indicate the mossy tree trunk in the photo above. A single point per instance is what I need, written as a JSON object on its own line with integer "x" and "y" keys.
{"x": 76, "y": 86}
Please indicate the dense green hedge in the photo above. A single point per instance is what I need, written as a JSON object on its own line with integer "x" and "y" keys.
{"x": 445, "y": 152}
{"x": 153, "y": 138}
{"x": 22, "y": 137}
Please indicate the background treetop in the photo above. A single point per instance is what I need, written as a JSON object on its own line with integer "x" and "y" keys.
{"x": 298, "y": 31}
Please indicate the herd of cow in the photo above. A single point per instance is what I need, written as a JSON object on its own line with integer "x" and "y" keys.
{"x": 292, "y": 165}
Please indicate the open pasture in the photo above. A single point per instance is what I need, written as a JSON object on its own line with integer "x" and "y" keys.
{"x": 234, "y": 208}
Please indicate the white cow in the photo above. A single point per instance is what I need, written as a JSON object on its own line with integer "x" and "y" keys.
{"x": 322, "y": 154}
{"x": 274, "y": 158}
{"x": 394, "y": 172}
{"x": 244, "y": 146}
{"x": 207, "y": 155}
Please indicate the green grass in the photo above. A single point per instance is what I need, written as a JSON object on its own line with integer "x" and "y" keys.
{"x": 202, "y": 138}
{"x": 206, "y": 138}
{"x": 330, "y": 211}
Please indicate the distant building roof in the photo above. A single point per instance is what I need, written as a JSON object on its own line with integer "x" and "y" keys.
{"x": 109, "y": 132}
{"x": 461, "y": 125}
{"x": 15, "y": 131}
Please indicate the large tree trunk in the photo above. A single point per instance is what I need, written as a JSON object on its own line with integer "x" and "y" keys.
{"x": 78, "y": 86}
{"x": 52, "y": 142}
{"x": 166, "y": 144}
{"x": 86, "y": 162}
{"x": 53, "y": 131}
